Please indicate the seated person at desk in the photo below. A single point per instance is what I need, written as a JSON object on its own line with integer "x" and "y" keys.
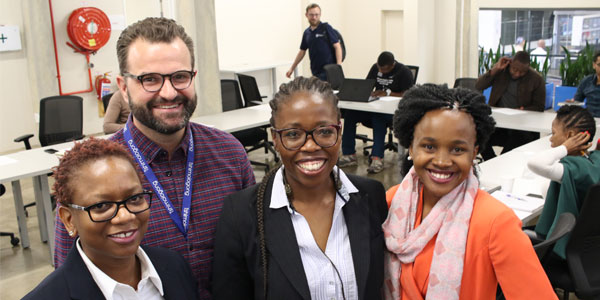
{"x": 514, "y": 85}
{"x": 308, "y": 230}
{"x": 589, "y": 88}
{"x": 569, "y": 165}
{"x": 102, "y": 202}
{"x": 117, "y": 113}
{"x": 447, "y": 238}
{"x": 392, "y": 79}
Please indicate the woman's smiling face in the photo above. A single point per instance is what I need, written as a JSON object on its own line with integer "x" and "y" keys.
{"x": 443, "y": 149}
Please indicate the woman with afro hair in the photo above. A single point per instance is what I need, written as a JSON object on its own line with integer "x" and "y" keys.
{"x": 446, "y": 238}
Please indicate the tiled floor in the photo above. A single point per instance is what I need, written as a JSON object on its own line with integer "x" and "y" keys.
{"x": 22, "y": 269}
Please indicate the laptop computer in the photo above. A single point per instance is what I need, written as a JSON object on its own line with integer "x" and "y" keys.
{"x": 358, "y": 90}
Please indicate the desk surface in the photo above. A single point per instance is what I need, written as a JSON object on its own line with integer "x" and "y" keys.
{"x": 239, "y": 119}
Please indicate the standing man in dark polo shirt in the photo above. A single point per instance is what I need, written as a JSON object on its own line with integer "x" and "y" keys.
{"x": 189, "y": 167}
{"x": 392, "y": 79}
{"x": 321, "y": 41}
{"x": 514, "y": 85}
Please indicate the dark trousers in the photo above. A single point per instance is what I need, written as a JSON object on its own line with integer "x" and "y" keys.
{"x": 508, "y": 139}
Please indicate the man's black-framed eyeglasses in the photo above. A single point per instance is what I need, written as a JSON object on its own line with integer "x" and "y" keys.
{"x": 105, "y": 211}
{"x": 294, "y": 138}
{"x": 153, "y": 82}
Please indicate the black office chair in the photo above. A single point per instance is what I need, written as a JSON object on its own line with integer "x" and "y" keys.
{"x": 466, "y": 82}
{"x": 250, "y": 90}
{"x": 580, "y": 272}
{"x": 543, "y": 248}
{"x": 13, "y": 240}
{"x": 61, "y": 120}
{"x": 415, "y": 72}
{"x": 253, "y": 138}
{"x": 335, "y": 75}
{"x": 106, "y": 100}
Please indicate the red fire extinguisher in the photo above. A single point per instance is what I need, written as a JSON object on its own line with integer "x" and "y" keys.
{"x": 102, "y": 85}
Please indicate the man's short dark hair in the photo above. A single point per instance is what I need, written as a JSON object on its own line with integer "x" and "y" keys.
{"x": 386, "y": 58}
{"x": 596, "y": 55}
{"x": 152, "y": 30}
{"x": 522, "y": 57}
{"x": 311, "y": 6}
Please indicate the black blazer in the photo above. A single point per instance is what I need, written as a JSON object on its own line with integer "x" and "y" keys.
{"x": 237, "y": 271}
{"x": 73, "y": 280}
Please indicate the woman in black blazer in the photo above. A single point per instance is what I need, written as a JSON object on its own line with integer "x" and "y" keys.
{"x": 102, "y": 201}
{"x": 308, "y": 230}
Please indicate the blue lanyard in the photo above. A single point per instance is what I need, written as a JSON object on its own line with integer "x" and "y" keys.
{"x": 157, "y": 187}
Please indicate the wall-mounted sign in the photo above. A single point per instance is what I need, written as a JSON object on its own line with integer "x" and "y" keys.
{"x": 10, "y": 39}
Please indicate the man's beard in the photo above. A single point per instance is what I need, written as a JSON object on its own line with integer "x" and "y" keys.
{"x": 143, "y": 113}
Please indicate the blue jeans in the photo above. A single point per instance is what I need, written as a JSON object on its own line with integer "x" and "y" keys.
{"x": 377, "y": 121}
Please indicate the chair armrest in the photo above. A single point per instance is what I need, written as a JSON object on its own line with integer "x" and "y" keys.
{"x": 533, "y": 236}
{"x": 25, "y": 139}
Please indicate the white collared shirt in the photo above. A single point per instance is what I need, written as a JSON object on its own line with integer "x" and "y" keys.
{"x": 149, "y": 287}
{"x": 320, "y": 268}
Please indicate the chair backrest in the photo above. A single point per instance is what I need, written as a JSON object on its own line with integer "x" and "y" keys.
{"x": 335, "y": 75}
{"x": 415, "y": 72}
{"x": 583, "y": 248}
{"x": 230, "y": 95}
{"x": 465, "y": 82}
{"x": 249, "y": 89}
{"x": 61, "y": 119}
{"x": 106, "y": 100}
{"x": 564, "y": 224}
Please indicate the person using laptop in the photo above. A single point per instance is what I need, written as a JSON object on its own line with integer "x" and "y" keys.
{"x": 392, "y": 79}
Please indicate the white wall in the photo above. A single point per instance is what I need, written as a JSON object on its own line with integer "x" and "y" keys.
{"x": 16, "y": 117}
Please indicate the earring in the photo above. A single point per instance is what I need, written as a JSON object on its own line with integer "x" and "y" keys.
{"x": 287, "y": 187}
{"x": 409, "y": 157}
{"x": 71, "y": 233}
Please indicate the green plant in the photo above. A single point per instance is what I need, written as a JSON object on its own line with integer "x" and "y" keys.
{"x": 489, "y": 59}
{"x": 572, "y": 71}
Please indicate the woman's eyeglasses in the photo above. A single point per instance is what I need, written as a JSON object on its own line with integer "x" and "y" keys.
{"x": 294, "y": 138}
{"x": 105, "y": 211}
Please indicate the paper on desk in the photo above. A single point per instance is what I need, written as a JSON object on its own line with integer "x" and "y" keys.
{"x": 6, "y": 160}
{"x": 518, "y": 202}
{"x": 389, "y": 98}
{"x": 509, "y": 111}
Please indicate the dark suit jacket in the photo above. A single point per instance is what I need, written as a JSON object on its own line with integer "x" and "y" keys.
{"x": 531, "y": 91}
{"x": 72, "y": 280}
{"x": 237, "y": 271}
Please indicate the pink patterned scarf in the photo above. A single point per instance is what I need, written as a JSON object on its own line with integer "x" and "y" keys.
{"x": 449, "y": 217}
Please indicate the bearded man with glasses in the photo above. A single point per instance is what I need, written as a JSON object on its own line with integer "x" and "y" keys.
{"x": 189, "y": 167}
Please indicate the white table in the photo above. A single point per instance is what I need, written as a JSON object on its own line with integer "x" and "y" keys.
{"x": 36, "y": 164}
{"x": 239, "y": 119}
{"x": 252, "y": 67}
{"x": 513, "y": 166}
